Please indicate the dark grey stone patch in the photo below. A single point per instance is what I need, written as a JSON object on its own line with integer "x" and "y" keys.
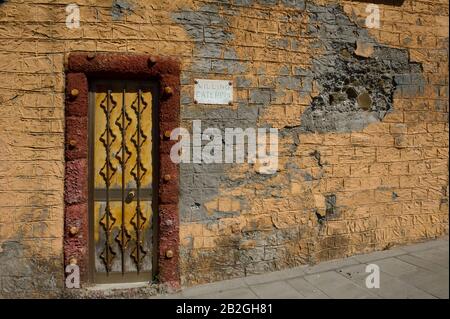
{"x": 260, "y": 96}
{"x": 298, "y": 4}
{"x": 211, "y": 8}
{"x": 278, "y": 43}
{"x": 206, "y": 181}
{"x": 214, "y": 113}
{"x": 186, "y": 99}
{"x": 230, "y": 67}
{"x": 243, "y": 3}
{"x": 266, "y": 82}
{"x": 27, "y": 276}
{"x": 412, "y": 90}
{"x": 192, "y": 20}
{"x": 209, "y": 50}
{"x": 185, "y": 78}
{"x": 288, "y": 82}
{"x": 248, "y": 112}
{"x": 242, "y": 82}
{"x": 440, "y": 105}
{"x": 119, "y": 8}
{"x": 230, "y": 53}
{"x": 354, "y": 91}
{"x": 217, "y": 35}
{"x": 302, "y": 71}
{"x": 267, "y": 2}
{"x": 285, "y": 70}
{"x": 191, "y": 112}
{"x": 201, "y": 65}
{"x": 330, "y": 205}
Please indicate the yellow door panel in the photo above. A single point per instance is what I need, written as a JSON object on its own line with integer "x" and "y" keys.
{"x": 115, "y": 133}
{"x": 129, "y": 235}
{"x": 122, "y": 180}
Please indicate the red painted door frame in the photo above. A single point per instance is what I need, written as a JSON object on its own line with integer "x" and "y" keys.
{"x": 80, "y": 69}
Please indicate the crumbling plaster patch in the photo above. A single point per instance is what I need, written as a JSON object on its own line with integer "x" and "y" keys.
{"x": 344, "y": 88}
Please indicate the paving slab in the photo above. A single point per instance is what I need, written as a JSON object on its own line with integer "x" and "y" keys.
{"x": 214, "y": 287}
{"x": 306, "y": 289}
{"x": 390, "y": 287}
{"x": 443, "y": 248}
{"x": 435, "y": 255}
{"x": 423, "y": 263}
{"x": 382, "y": 254}
{"x": 239, "y": 293}
{"x": 415, "y": 271}
{"x": 275, "y": 276}
{"x": 394, "y": 266}
{"x": 276, "y": 290}
{"x": 337, "y": 286}
{"x": 331, "y": 265}
{"x": 168, "y": 296}
{"x": 435, "y": 284}
{"x": 425, "y": 245}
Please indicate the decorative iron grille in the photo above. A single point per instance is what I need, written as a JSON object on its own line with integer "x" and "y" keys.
{"x": 122, "y": 206}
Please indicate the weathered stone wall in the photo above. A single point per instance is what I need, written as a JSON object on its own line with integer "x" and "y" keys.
{"x": 362, "y": 115}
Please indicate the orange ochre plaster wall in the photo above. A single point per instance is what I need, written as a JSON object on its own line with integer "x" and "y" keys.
{"x": 362, "y": 115}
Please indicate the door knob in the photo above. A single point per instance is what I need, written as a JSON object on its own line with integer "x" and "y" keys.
{"x": 130, "y": 197}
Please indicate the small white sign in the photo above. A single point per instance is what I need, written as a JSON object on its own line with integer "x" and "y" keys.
{"x": 213, "y": 91}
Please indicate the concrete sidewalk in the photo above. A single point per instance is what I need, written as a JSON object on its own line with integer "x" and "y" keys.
{"x": 413, "y": 271}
